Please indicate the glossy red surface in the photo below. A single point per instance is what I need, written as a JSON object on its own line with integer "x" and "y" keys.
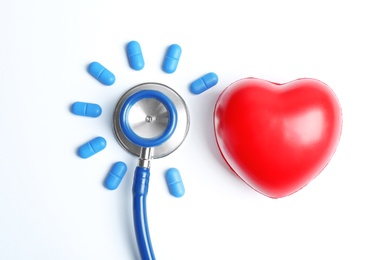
{"x": 277, "y": 137}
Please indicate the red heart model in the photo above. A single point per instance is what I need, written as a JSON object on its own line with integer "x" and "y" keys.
{"x": 277, "y": 137}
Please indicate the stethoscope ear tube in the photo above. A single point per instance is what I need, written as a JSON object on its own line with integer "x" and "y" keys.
{"x": 140, "y": 191}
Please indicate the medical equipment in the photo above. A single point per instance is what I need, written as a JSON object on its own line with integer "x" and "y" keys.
{"x": 150, "y": 121}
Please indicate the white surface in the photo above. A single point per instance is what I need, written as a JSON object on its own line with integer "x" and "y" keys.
{"x": 53, "y": 204}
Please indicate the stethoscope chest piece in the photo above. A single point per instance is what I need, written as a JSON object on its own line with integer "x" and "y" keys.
{"x": 151, "y": 115}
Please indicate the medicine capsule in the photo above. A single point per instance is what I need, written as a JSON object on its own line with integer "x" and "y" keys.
{"x": 174, "y": 182}
{"x": 92, "y": 147}
{"x": 115, "y": 176}
{"x": 204, "y": 83}
{"x": 134, "y": 54}
{"x": 99, "y": 72}
{"x": 172, "y": 58}
{"x": 86, "y": 109}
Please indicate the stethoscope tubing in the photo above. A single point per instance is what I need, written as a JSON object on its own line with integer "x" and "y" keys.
{"x": 140, "y": 192}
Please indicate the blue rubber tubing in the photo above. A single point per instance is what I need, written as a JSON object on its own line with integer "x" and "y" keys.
{"x": 140, "y": 191}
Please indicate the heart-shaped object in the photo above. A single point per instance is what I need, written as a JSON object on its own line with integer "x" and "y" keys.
{"x": 277, "y": 137}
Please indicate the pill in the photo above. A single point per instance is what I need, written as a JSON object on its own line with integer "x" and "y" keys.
{"x": 99, "y": 72}
{"x": 134, "y": 54}
{"x": 174, "y": 182}
{"x": 115, "y": 176}
{"x": 204, "y": 83}
{"x": 171, "y": 59}
{"x": 86, "y": 109}
{"x": 92, "y": 147}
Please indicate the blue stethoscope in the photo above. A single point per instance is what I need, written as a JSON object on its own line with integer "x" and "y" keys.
{"x": 150, "y": 121}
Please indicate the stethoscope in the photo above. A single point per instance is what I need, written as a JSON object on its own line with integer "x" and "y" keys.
{"x": 150, "y": 121}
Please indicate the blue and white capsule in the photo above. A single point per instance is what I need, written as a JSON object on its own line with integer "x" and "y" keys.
{"x": 86, "y": 109}
{"x": 134, "y": 55}
{"x": 92, "y": 147}
{"x": 115, "y": 176}
{"x": 204, "y": 83}
{"x": 99, "y": 72}
{"x": 174, "y": 182}
{"x": 172, "y": 57}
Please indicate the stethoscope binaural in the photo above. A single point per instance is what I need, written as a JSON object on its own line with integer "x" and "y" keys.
{"x": 150, "y": 121}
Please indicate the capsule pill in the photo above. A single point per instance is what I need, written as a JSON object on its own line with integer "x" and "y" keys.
{"x": 99, "y": 72}
{"x": 134, "y": 54}
{"x": 204, "y": 83}
{"x": 174, "y": 182}
{"x": 92, "y": 147}
{"x": 172, "y": 58}
{"x": 86, "y": 109}
{"x": 115, "y": 176}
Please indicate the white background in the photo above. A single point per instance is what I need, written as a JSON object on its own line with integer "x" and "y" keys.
{"x": 53, "y": 204}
